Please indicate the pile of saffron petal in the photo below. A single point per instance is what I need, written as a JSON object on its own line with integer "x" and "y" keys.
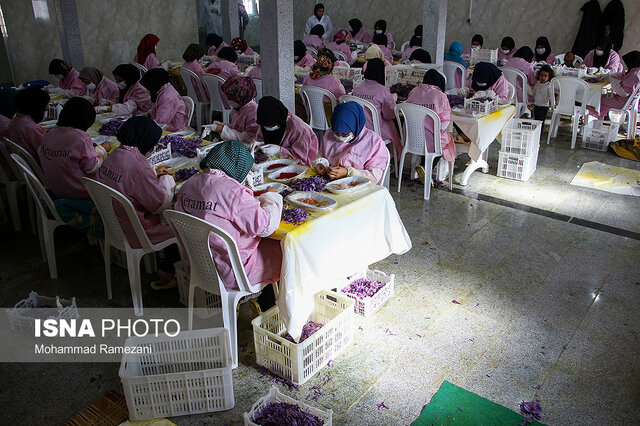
{"x": 184, "y": 174}
{"x": 276, "y": 379}
{"x": 260, "y": 157}
{"x": 111, "y": 127}
{"x": 183, "y": 146}
{"x": 283, "y": 413}
{"x": 531, "y": 410}
{"x": 307, "y": 330}
{"x": 313, "y": 183}
{"x": 295, "y": 216}
{"x": 363, "y": 287}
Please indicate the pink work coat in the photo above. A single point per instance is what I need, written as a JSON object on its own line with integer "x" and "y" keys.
{"x": 248, "y": 52}
{"x": 327, "y": 81}
{"x": 170, "y": 109}
{"x": 313, "y": 41}
{"x": 222, "y": 201}
{"x": 387, "y": 53}
{"x": 66, "y": 155}
{"x": 307, "y": 61}
{"x": 298, "y": 142}
{"x": 366, "y": 153}
{"x": 386, "y": 64}
{"x": 106, "y": 89}
{"x": 528, "y": 70}
{"x": 507, "y": 56}
{"x": 223, "y": 68}
{"x": 199, "y": 70}
{"x": 149, "y": 63}
{"x": 407, "y": 53}
{"x": 467, "y": 51}
{"x": 500, "y": 87}
{"x": 380, "y": 96}
{"x": 213, "y": 51}
{"x": 26, "y": 133}
{"x": 433, "y": 98}
{"x": 137, "y": 101}
{"x": 628, "y": 84}
{"x": 550, "y": 58}
{"x": 256, "y": 72}
{"x": 344, "y": 48}
{"x": 72, "y": 85}
{"x": 613, "y": 63}
{"x": 129, "y": 172}
{"x": 363, "y": 36}
{"x": 242, "y": 125}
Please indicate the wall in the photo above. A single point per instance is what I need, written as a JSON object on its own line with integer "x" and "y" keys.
{"x": 559, "y": 20}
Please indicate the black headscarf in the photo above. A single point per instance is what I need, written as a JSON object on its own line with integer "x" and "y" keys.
{"x": 601, "y": 61}
{"x": 8, "y": 101}
{"x": 478, "y": 38}
{"x": 317, "y": 30}
{"x": 33, "y": 102}
{"x": 92, "y": 74}
{"x": 214, "y": 40}
{"x": 380, "y": 39}
{"x": 315, "y": 9}
{"x": 485, "y": 72}
{"x": 543, "y": 41}
{"x": 299, "y": 50}
{"x": 140, "y": 132}
{"x": 58, "y": 66}
{"x": 130, "y": 74}
{"x": 77, "y": 113}
{"x": 416, "y": 39}
{"x": 420, "y": 55}
{"x": 193, "y": 52}
{"x": 434, "y": 78}
{"x": 632, "y": 59}
{"x": 509, "y": 43}
{"x": 228, "y": 53}
{"x": 525, "y": 53}
{"x": 382, "y": 24}
{"x": 272, "y": 112}
{"x": 356, "y": 26}
{"x": 375, "y": 70}
{"x": 153, "y": 80}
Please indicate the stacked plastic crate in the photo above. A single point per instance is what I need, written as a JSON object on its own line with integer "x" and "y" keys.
{"x": 518, "y": 155}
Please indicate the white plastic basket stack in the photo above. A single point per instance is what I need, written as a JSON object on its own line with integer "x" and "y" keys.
{"x": 275, "y": 396}
{"x": 206, "y": 304}
{"x": 518, "y": 167}
{"x": 297, "y": 362}
{"x": 370, "y": 305}
{"x": 483, "y": 55}
{"x": 347, "y": 73}
{"x": 391, "y": 75}
{"x": 479, "y": 108}
{"x": 521, "y": 136}
{"x": 23, "y": 315}
{"x": 411, "y": 75}
{"x": 160, "y": 155}
{"x": 598, "y": 134}
{"x": 186, "y": 374}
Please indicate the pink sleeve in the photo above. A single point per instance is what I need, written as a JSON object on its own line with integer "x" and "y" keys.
{"x": 388, "y": 105}
{"x": 248, "y": 216}
{"x": 301, "y": 143}
{"x": 389, "y": 39}
{"x": 148, "y": 190}
{"x": 501, "y": 88}
{"x": 588, "y": 60}
{"x": 166, "y": 108}
{"x": 551, "y": 58}
{"x": 78, "y": 87}
{"x": 89, "y": 158}
{"x": 151, "y": 62}
{"x": 532, "y": 79}
{"x": 614, "y": 62}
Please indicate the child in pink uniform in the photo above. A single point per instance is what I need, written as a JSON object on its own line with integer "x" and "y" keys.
{"x": 430, "y": 94}
{"x": 31, "y": 106}
{"x": 146, "y": 52}
{"x": 192, "y": 56}
{"x": 623, "y": 87}
{"x": 67, "y": 152}
{"x": 603, "y": 56}
{"x": 521, "y": 61}
{"x": 243, "y": 126}
{"x": 168, "y": 107}
{"x": 340, "y": 44}
{"x": 358, "y": 32}
{"x": 301, "y": 57}
{"x": 487, "y": 76}
{"x": 380, "y": 27}
{"x": 215, "y": 43}
{"x": 285, "y": 134}
{"x": 352, "y": 149}
{"x": 70, "y": 84}
{"x": 507, "y": 49}
{"x": 374, "y": 91}
{"x": 133, "y": 97}
{"x": 217, "y": 196}
{"x": 477, "y": 42}
{"x": 225, "y": 66}
{"x": 99, "y": 88}
{"x": 543, "y": 51}
{"x": 320, "y": 75}
{"x": 241, "y": 47}
{"x": 314, "y": 39}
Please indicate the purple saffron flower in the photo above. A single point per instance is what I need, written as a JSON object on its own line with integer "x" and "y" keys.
{"x": 456, "y": 302}
{"x": 381, "y": 406}
{"x": 531, "y": 409}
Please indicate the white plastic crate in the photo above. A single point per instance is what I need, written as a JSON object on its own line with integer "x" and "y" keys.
{"x": 370, "y": 305}
{"x": 203, "y": 151}
{"x": 297, "y": 362}
{"x": 515, "y": 166}
{"x": 54, "y": 109}
{"x": 598, "y": 134}
{"x": 410, "y": 75}
{"x": 391, "y": 75}
{"x": 521, "y": 136}
{"x": 160, "y": 155}
{"x": 275, "y": 396}
{"x": 570, "y": 72}
{"x": 348, "y": 73}
{"x": 19, "y": 318}
{"x": 206, "y": 304}
{"x": 483, "y": 55}
{"x": 186, "y": 374}
{"x": 479, "y": 108}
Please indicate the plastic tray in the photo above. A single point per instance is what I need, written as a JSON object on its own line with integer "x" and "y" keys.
{"x": 294, "y": 198}
{"x": 264, "y": 165}
{"x": 341, "y": 186}
{"x": 299, "y": 170}
{"x": 275, "y": 396}
{"x": 279, "y": 187}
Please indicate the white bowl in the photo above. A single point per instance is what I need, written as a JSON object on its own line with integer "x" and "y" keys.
{"x": 344, "y": 185}
{"x": 277, "y": 186}
{"x": 100, "y": 139}
{"x": 298, "y": 170}
{"x": 296, "y": 197}
{"x": 264, "y": 166}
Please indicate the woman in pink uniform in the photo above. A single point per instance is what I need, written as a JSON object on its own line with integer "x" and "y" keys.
{"x": 430, "y": 94}
{"x": 521, "y": 61}
{"x": 320, "y": 75}
{"x": 217, "y": 196}
{"x": 242, "y": 126}
{"x": 168, "y": 107}
{"x": 381, "y": 41}
{"x": 543, "y": 51}
{"x": 374, "y": 91}
{"x": 301, "y": 57}
{"x": 358, "y": 32}
{"x": 351, "y": 148}
{"x": 70, "y": 84}
{"x": 150, "y": 191}
{"x": 603, "y": 56}
{"x": 225, "y": 66}
{"x": 487, "y": 76}
{"x": 380, "y": 27}
{"x": 133, "y": 97}
{"x": 374, "y": 51}
{"x": 340, "y": 44}
{"x": 507, "y": 48}
{"x": 314, "y": 39}
{"x": 623, "y": 87}
{"x": 215, "y": 43}
{"x": 284, "y": 134}
{"x": 192, "y": 56}
{"x": 477, "y": 42}
{"x": 414, "y": 43}
{"x": 99, "y": 87}
{"x": 31, "y": 106}
{"x": 146, "y": 52}
{"x": 241, "y": 47}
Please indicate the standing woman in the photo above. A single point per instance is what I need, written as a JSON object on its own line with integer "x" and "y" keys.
{"x": 507, "y": 48}
{"x": 315, "y": 38}
{"x": 603, "y": 56}
{"x": 351, "y": 148}
{"x": 215, "y": 43}
{"x": 302, "y": 58}
{"x": 487, "y": 76}
{"x": 319, "y": 18}
{"x": 372, "y": 89}
{"x": 31, "y": 105}
{"x": 320, "y": 75}
{"x": 242, "y": 126}
{"x": 191, "y": 57}
{"x": 70, "y": 84}
{"x": 168, "y": 107}
{"x": 225, "y": 66}
{"x": 543, "y": 51}
{"x": 358, "y": 32}
{"x": 99, "y": 87}
{"x": 146, "y": 52}
{"x": 380, "y": 27}
{"x": 133, "y": 98}
{"x": 285, "y": 134}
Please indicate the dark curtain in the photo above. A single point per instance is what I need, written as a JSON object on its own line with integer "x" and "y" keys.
{"x": 589, "y": 28}
{"x": 612, "y": 23}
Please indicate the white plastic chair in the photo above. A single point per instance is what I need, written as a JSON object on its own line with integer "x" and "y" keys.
{"x": 386, "y": 176}
{"x": 103, "y": 197}
{"x": 189, "y": 77}
{"x": 194, "y": 234}
{"x": 258, "y": 83}
{"x": 11, "y": 185}
{"x": 629, "y": 111}
{"x": 565, "y": 104}
{"x": 313, "y": 51}
{"x": 375, "y": 120}
{"x": 404, "y": 46}
{"x": 14, "y": 148}
{"x": 513, "y": 75}
{"x": 313, "y": 100}
{"x": 46, "y": 223}
{"x": 340, "y": 56}
{"x": 511, "y": 93}
{"x": 140, "y": 67}
{"x": 218, "y": 100}
{"x": 451, "y": 69}
{"x": 190, "y": 106}
{"x": 414, "y": 141}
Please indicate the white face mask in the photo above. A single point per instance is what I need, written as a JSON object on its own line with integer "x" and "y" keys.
{"x": 599, "y": 52}
{"x": 91, "y": 86}
{"x": 59, "y": 76}
{"x": 122, "y": 85}
{"x": 481, "y": 84}
{"x": 272, "y": 128}
{"x": 475, "y": 47}
{"x": 239, "y": 52}
{"x": 345, "y": 139}
{"x": 506, "y": 51}
{"x": 378, "y": 31}
{"x": 233, "y": 104}
{"x": 540, "y": 51}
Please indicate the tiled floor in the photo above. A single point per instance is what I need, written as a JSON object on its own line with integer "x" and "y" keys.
{"x": 548, "y": 310}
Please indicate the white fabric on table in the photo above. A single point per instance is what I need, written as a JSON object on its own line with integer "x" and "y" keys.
{"x": 483, "y": 130}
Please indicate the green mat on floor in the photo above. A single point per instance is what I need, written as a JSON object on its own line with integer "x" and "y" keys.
{"x": 452, "y": 405}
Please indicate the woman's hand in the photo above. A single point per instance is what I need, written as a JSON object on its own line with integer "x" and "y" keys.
{"x": 271, "y": 189}
{"x": 338, "y": 172}
{"x": 162, "y": 170}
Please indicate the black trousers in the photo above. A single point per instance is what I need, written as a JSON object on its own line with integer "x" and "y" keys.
{"x": 540, "y": 113}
